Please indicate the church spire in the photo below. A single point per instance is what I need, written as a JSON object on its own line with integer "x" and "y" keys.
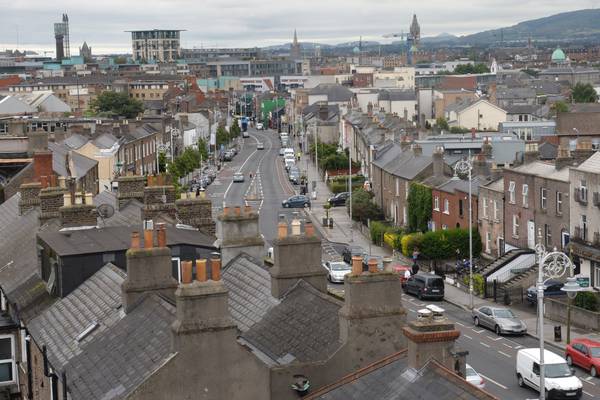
{"x": 295, "y": 49}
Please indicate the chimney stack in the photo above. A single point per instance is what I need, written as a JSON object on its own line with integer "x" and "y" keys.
{"x": 404, "y": 143}
{"x": 480, "y": 166}
{"x": 196, "y": 212}
{"x": 148, "y": 270}
{"x": 433, "y": 336}
{"x": 159, "y": 198}
{"x": 531, "y": 153}
{"x": 438, "y": 162}
{"x": 239, "y": 233}
{"x": 563, "y": 157}
{"x": 77, "y": 212}
{"x": 130, "y": 188}
{"x": 296, "y": 257}
{"x": 417, "y": 149}
{"x": 583, "y": 151}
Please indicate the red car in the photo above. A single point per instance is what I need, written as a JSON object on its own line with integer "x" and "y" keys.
{"x": 401, "y": 269}
{"x": 584, "y": 353}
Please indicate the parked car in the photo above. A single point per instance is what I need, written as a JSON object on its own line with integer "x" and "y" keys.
{"x": 336, "y": 271}
{"x": 584, "y": 353}
{"x": 350, "y": 251}
{"x": 425, "y": 286}
{"x": 259, "y": 126}
{"x": 560, "y": 380}
{"x": 294, "y": 175}
{"x": 289, "y": 163}
{"x": 366, "y": 258}
{"x": 339, "y": 199}
{"x": 238, "y": 177}
{"x": 401, "y": 270}
{"x": 228, "y": 155}
{"x": 245, "y": 134}
{"x": 260, "y": 146}
{"x": 297, "y": 201}
{"x": 499, "y": 319}
{"x": 282, "y": 151}
{"x": 552, "y": 288}
{"x": 474, "y": 378}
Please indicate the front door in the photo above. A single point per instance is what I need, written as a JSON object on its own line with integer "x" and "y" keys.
{"x": 531, "y": 234}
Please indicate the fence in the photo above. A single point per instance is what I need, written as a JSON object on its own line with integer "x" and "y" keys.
{"x": 511, "y": 295}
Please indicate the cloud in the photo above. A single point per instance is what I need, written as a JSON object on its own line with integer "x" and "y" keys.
{"x": 237, "y": 23}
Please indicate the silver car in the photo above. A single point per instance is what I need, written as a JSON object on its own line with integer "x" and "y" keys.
{"x": 474, "y": 378}
{"x": 336, "y": 271}
{"x": 500, "y": 320}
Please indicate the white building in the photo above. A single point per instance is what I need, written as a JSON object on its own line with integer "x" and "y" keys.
{"x": 478, "y": 114}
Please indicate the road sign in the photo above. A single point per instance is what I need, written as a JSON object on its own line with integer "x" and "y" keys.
{"x": 583, "y": 281}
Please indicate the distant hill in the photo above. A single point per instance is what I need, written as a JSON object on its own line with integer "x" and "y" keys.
{"x": 567, "y": 26}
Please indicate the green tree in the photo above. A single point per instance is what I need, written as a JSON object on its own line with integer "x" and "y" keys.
{"x": 203, "y": 148}
{"x": 442, "y": 123}
{"x": 419, "y": 207}
{"x": 560, "y": 107}
{"x": 584, "y": 93}
{"x": 222, "y": 136}
{"x": 162, "y": 162}
{"x": 120, "y": 60}
{"x": 111, "y": 104}
{"x": 234, "y": 129}
{"x": 363, "y": 207}
{"x": 478, "y": 68}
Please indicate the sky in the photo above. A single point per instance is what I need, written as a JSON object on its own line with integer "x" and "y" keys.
{"x": 248, "y": 23}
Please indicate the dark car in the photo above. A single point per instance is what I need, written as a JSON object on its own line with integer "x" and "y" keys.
{"x": 339, "y": 199}
{"x": 298, "y": 201}
{"x": 425, "y": 286}
{"x": 350, "y": 251}
{"x": 552, "y": 288}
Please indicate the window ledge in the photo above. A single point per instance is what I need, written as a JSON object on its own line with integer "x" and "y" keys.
{"x": 515, "y": 236}
{"x": 446, "y": 212}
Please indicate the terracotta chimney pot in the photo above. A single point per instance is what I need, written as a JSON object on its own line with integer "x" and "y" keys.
{"x": 162, "y": 235}
{"x": 282, "y": 230}
{"x": 160, "y": 180}
{"x": 357, "y": 268}
{"x": 186, "y": 272}
{"x": 148, "y": 238}
{"x": 238, "y": 211}
{"x": 373, "y": 265}
{"x": 44, "y": 181}
{"x": 201, "y": 270}
{"x": 247, "y": 209}
{"x": 53, "y": 181}
{"x": 135, "y": 240}
{"x": 309, "y": 229}
{"x": 150, "y": 180}
{"x": 215, "y": 269}
{"x": 225, "y": 211}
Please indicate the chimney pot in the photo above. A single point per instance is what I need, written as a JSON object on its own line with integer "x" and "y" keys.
{"x": 215, "y": 269}
{"x": 282, "y": 230}
{"x": 237, "y": 210}
{"x": 309, "y": 229}
{"x": 225, "y": 211}
{"x": 89, "y": 198}
{"x": 357, "y": 268}
{"x": 373, "y": 265}
{"x": 151, "y": 180}
{"x": 160, "y": 180}
{"x": 44, "y": 181}
{"x": 52, "y": 180}
{"x": 62, "y": 182}
{"x": 162, "y": 235}
{"x": 186, "y": 272}
{"x": 135, "y": 240}
{"x": 296, "y": 227}
{"x": 201, "y": 270}
{"x": 247, "y": 209}
{"x": 148, "y": 238}
{"x": 67, "y": 199}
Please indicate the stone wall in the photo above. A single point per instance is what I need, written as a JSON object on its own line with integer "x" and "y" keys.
{"x": 30, "y": 196}
{"x": 51, "y": 200}
{"x": 197, "y": 213}
{"x": 159, "y": 200}
{"x": 130, "y": 188}
{"x": 557, "y": 310}
{"x": 78, "y": 215}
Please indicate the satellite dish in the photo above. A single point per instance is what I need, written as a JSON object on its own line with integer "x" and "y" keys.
{"x": 105, "y": 211}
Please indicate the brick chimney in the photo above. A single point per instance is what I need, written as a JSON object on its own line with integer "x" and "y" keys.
{"x": 296, "y": 256}
{"x": 77, "y": 210}
{"x": 433, "y": 336}
{"x": 159, "y": 198}
{"x": 563, "y": 157}
{"x": 52, "y": 199}
{"x": 404, "y": 143}
{"x": 417, "y": 149}
{"x": 197, "y": 212}
{"x": 438, "y": 162}
{"x": 30, "y": 196}
{"x": 582, "y": 151}
{"x": 131, "y": 188}
{"x": 372, "y": 315}
{"x": 239, "y": 232}
{"x": 481, "y": 167}
{"x": 37, "y": 141}
{"x": 149, "y": 268}
{"x": 531, "y": 153}
{"x": 487, "y": 149}
{"x": 42, "y": 164}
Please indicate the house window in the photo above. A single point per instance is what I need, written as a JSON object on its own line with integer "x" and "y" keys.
{"x": 436, "y": 203}
{"x": 496, "y": 210}
{"x": 488, "y": 242}
{"x": 548, "y": 235}
{"x": 511, "y": 192}
{"x": 559, "y": 202}
{"x": 584, "y": 227}
{"x": 484, "y": 206}
{"x": 543, "y": 198}
{"x": 397, "y": 187}
{"x": 525, "y": 191}
{"x": 460, "y": 207}
{"x": 515, "y": 226}
{"x": 433, "y": 226}
{"x": 446, "y": 206}
{"x": 406, "y": 188}
{"x": 583, "y": 191}
{"x": 596, "y": 272}
{"x": 7, "y": 359}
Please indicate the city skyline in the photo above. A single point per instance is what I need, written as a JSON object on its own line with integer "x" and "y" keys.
{"x": 231, "y": 23}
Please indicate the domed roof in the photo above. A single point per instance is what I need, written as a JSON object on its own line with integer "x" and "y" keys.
{"x": 558, "y": 56}
{"x": 355, "y": 50}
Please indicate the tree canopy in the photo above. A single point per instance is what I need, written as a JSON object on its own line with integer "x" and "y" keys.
{"x": 113, "y": 104}
{"x": 463, "y": 69}
{"x": 584, "y": 93}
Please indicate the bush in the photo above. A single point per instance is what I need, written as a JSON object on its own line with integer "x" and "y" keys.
{"x": 587, "y": 301}
{"x": 379, "y": 229}
{"x": 337, "y": 187}
{"x": 440, "y": 245}
{"x": 410, "y": 242}
{"x": 478, "y": 283}
{"x": 458, "y": 129}
{"x": 419, "y": 207}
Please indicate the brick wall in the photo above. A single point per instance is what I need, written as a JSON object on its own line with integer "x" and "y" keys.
{"x": 51, "y": 200}
{"x": 197, "y": 213}
{"x": 78, "y": 215}
{"x": 154, "y": 204}
{"x": 131, "y": 187}
{"x": 42, "y": 164}
{"x": 30, "y": 196}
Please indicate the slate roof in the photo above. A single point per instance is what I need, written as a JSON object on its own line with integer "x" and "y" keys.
{"x": 404, "y": 164}
{"x": 113, "y": 364}
{"x": 592, "y": 164}
{"x": 333, "y": 111}
{"x": 141, "y": 132}
{"x": 543, "y": 170}
{"x": 392, "y": 379}
{"x": 452, "y": 185}
{"x": 95, "y": 301}
{"x": 515, "y": 93}
{"x": 397, "y": 95}
{"x": 80, "y": 164}
{"x": 105, "y": 141}
{"x": 249, "y": 285}
{"x": 75, "y": 141}
{"x": 548, "y": 151}
{"x": 128, "y": 215}
{"x": 303, "y": 327}
{"x": 334, "y": 91}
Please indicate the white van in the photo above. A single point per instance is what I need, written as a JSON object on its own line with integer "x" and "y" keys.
{"x": 288, "y": 151}
{"x": 559, "y": 379}
{"x": 289, "y": 162}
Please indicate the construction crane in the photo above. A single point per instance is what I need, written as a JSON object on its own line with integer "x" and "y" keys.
{"x": 412, "y": 38}
{"x": 401, "y": 35}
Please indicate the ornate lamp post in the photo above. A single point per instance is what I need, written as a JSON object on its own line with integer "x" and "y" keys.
{"x": 464, "y": 167}
{"x": 551, "y": 265}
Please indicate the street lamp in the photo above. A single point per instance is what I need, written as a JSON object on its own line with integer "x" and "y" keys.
{"x": 464, "y": 167}
{"x": 572, "y": 288}
{"x": 551, "y": 265}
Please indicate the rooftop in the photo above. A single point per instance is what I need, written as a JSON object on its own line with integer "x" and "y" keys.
{"x": 543, "y": 170}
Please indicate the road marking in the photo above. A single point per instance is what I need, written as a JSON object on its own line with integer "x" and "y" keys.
{"x": 494, "y": 339}
{"x": 485, "y": 345}
{"x": 477, "y": 331}
{"x": 589, "y": 394}
{"x": 458, "y": 323}
{"x": 507, "y": 345}
{"x": 493, "y": 381}
{"x": 518, "y": 347}
{"x": 504, "y": 354}
{"x": 468, "y": 337}
{"x": 411, "y": 310}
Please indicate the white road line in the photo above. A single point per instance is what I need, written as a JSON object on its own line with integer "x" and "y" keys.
{"x": 518, "y": 347}
{"x": 589, "y": 394}
{"x": 496, "y": 339}
{"x": 477, "y": 331}
{"x": 493, "y": 381}
{"x": 411, "y": 310}
{"x": 507, "y": 345}
{"x": 504, "y": 354}
{"x": 458, "y": 323}
{"x": 485, "y": 345}
{"x": 468, "y": 337}
{"x": 591, "y": 383}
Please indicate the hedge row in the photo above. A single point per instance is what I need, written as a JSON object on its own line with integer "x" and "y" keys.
{"x": 441, "y": 244}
